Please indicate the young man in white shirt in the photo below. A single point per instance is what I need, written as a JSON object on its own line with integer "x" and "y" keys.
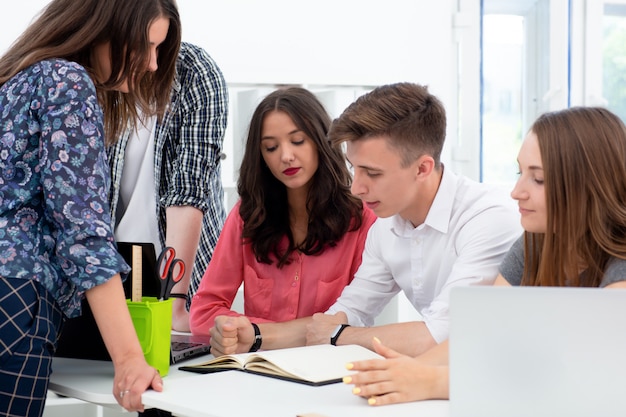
{"x": 435, "y": 231}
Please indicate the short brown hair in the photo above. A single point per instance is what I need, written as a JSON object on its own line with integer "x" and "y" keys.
{"x": 413, "y": 119}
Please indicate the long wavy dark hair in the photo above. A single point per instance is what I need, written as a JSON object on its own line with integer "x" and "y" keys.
{"x": 69, "y": 29}
{"x": 332, "y": 209}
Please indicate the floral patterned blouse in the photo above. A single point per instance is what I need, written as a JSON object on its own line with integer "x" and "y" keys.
{"x": 54, "y": 182}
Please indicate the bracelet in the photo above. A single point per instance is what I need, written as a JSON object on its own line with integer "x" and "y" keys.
{"x": 336, "y": 333}
{"x": 177, "y": 295}
{"x": 257, "y": 338}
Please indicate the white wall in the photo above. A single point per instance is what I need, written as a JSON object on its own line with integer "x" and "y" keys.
{"x": 350, "y": 42}
{"x": 323, "y": 42}
{"x": 355, "y": 42}
{"x": 15, "y": 17}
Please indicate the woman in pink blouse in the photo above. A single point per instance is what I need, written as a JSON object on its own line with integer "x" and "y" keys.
{"x": 296, "y": 236}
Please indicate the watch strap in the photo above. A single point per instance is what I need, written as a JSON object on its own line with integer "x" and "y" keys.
{"x": 257, "y": 338}
{"x": 337, "y": 332}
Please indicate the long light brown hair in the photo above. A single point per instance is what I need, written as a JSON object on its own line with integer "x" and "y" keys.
{"x": 69, "y": 29}
{"x": 583, "y": 152}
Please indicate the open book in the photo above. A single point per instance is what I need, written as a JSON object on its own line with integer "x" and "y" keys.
{"x": 311, "y": 365}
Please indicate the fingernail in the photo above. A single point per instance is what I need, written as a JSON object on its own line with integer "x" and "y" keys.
{"x": 356, "y": 390}
{"x": 347, "y": 379}
{"x": 371, "y": 401}
{"x": 349, "y": 365}
{"x": 377, "y": 340}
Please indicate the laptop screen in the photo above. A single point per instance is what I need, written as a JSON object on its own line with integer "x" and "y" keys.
{"x": 541, "y": 352}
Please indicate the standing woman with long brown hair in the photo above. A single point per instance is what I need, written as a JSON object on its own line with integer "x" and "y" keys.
{"x": 76, "y": 76}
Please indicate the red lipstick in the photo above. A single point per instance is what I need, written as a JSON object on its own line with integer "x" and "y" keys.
{"x": 291, "y": 171}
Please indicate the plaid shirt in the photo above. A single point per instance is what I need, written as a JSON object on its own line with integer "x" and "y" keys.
{"x": 188, "y": 152}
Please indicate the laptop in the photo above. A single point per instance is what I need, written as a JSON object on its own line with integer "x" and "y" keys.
{"x": 535, "y": 351}
{"x": 81, "y": 339}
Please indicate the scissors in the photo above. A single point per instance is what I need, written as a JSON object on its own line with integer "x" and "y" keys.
{"x": 171, "y": 271}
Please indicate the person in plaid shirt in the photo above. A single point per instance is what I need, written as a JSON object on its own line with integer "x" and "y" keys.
{"x": 171, "y": 170}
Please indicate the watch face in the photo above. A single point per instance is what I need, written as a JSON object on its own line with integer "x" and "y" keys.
{"x": 336, "y": 330}
{"x": 336, "y": 333}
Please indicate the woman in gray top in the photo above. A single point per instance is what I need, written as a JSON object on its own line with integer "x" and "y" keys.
{"x": 572, "y": 200}
{"x": 571, "y": 194}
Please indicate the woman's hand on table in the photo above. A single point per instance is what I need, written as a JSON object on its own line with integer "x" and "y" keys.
{"x": 133, "y": 376}
{"x": 396, "y": 379}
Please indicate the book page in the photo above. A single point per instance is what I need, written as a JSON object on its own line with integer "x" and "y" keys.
{"x": 227, "y": 361}
{"x": 257, "y": 363}
{"x": 313, "y": 363}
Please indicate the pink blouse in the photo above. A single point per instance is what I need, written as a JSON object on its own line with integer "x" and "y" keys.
{"x": 308, "y": 285}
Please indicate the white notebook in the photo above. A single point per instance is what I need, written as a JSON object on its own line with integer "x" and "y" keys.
{"x": 311, "y": 365}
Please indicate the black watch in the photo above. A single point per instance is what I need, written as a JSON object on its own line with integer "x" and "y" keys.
{"x": 336, "y": 333}
{"x": 257, "y": 338}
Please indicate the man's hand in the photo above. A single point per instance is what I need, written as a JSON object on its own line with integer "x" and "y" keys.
{"x": 231, "y": 335}
{"x": 180, "y": 315}
{"x": 319, "y": 330}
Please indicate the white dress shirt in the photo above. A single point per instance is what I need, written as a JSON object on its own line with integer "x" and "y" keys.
{"x": 468, "y": 230}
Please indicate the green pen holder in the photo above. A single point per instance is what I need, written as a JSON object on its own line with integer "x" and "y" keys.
{"x": 153, "y": 323}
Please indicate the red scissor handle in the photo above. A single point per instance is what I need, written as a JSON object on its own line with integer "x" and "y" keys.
{"x": 171, "y": 270}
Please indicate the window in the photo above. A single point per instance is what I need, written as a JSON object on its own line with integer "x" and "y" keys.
{"x": 614, "y": 58}
{"x": 503, "y": 55}
{"x": 525, "y": 72}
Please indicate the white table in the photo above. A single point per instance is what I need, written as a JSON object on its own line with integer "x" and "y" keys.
{"x": 230, "y": 394}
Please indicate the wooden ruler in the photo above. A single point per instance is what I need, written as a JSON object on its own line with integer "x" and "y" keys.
{"x": 136, "y": 277}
